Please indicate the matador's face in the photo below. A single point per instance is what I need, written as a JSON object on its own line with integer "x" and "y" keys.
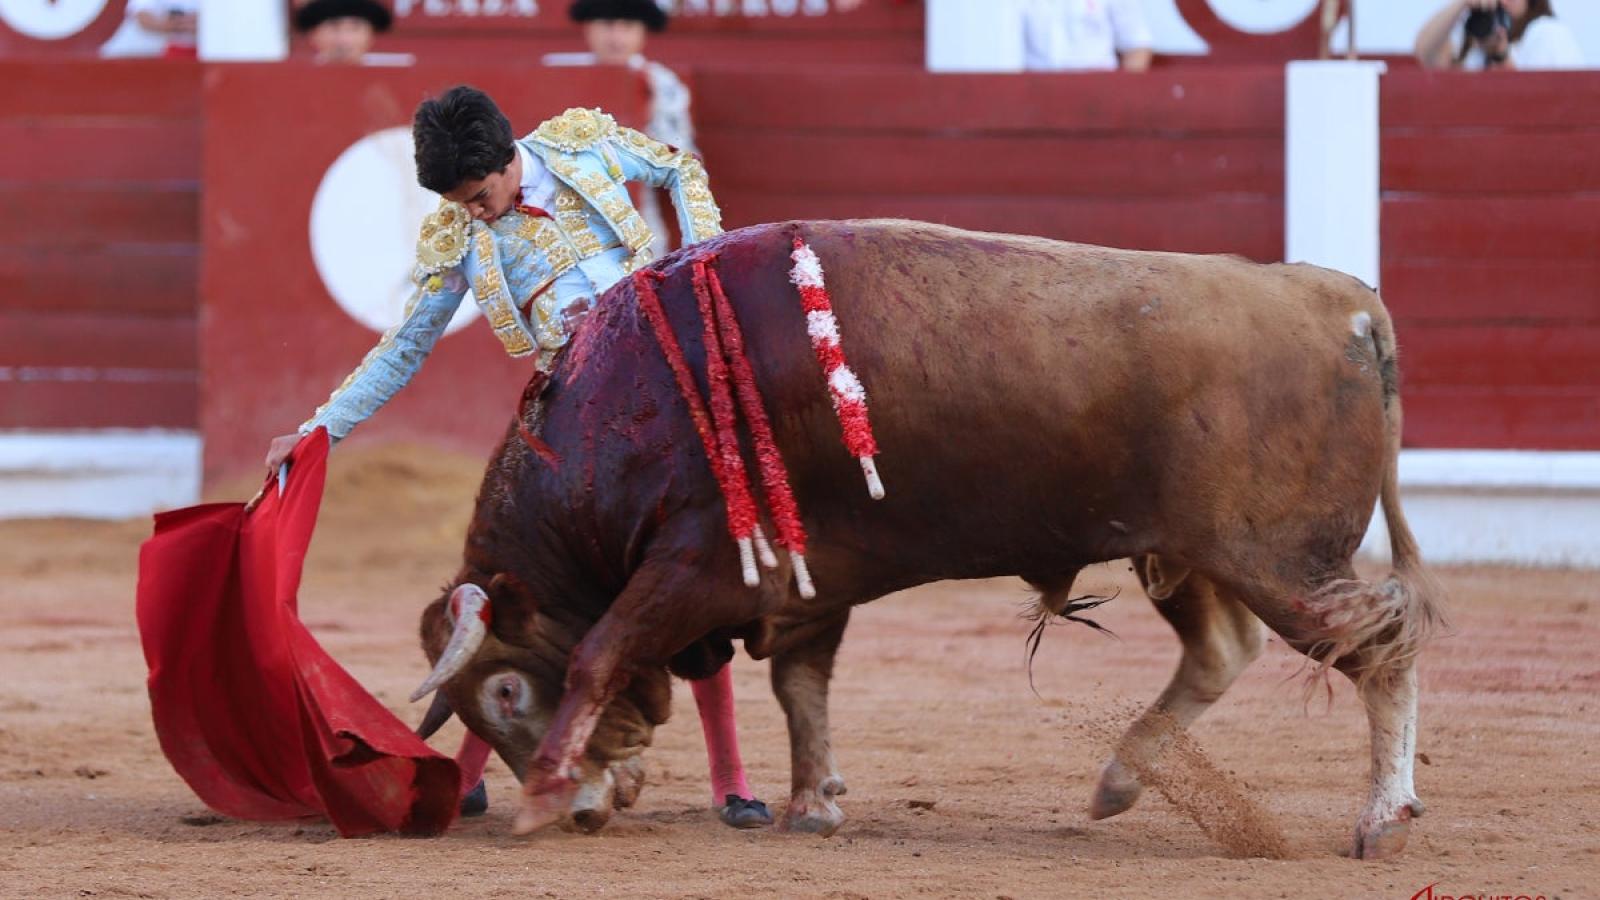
{"x": 492, "y": 196}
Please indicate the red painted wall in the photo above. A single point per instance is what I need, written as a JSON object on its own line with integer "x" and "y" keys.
{"x": 1491, "y": 255}
{"x": 99, "y": 244}
{"x": 273, "y": 342}
{"x": 1174, "y": 160}
{"x": 1491, "y": 238}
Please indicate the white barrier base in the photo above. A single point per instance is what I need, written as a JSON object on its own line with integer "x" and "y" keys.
{"x": 1530, "y": 508}
{"x": 111, "y": 474}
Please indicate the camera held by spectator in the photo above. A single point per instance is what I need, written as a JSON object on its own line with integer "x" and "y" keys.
{"x": 1489, "y": 29}
{"x": 1497, "y": 34}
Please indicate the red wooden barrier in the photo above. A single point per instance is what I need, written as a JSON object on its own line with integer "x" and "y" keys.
{"x": 99, "y": 244}
{"x": 1177, "y": 160}
{"x": 1491, "y": 255}
{"x": 273, "y": 341}
{"x": 1491, "y": 243}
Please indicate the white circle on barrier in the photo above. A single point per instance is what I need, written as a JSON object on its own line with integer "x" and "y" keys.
{"x": 364, "y": 223}
{"x": 1263, "y": 16}
{"x": 50, "y": 20}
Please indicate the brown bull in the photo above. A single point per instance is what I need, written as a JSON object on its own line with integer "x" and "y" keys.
{"x": 1039, "y": 406}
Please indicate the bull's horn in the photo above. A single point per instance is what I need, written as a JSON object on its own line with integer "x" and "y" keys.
{"x": 469, "y": 608}
{"x": 439, "y": 712}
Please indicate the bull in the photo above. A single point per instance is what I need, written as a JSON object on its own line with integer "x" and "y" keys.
{"x": 1039, "y": 406}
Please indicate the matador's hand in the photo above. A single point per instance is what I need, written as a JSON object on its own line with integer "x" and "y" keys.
{"x": 279, "y": 450}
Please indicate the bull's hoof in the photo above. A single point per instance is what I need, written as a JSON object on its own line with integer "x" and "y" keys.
{"x": 629, "y": 775}
{"x": 819, "y": 818}
{"x": 737, "y": 812}
{"x": 594, "y": 801}
{"x": 1385, "y": 839}
{"x": 814, "y": 812}
{"x": 476, "y": 802}
{"x": 589, "y": 821}
{"x": 545, "y": 803}
{"x": 1116, "y": 793}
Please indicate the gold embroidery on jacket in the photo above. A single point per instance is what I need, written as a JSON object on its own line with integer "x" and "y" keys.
{"x": 545, "y": 236}
{"x": 489, "y": 288}
{"x": 702, "y": 208}
{"x": 576, "y": 130}
{"x": 699, "y": 207}
{"x": 574, "y": 220}
{"x": 443, "y": 241}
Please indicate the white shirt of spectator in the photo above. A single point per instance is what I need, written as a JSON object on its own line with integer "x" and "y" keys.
{"x": 1062, "y": 35}
{"x": 166, "y": 8}
{"x": 1547, "y": 43}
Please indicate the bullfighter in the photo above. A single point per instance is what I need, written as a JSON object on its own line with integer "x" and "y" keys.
{"x": 537, "y": 228}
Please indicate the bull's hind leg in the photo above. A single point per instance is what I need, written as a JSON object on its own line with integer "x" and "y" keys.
{"x": 1385, "y": 822}
{"x": 1220, "y": 638}
{"x": 800, "y": 679}
{"x": 1370, "y": 632}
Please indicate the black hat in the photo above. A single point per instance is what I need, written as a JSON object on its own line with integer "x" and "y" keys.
{"x": 646, "y": 11}
{"x": 316, "y": 12}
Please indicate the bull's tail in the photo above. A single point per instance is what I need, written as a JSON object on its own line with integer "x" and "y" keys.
{"x": 1377, "y": 629}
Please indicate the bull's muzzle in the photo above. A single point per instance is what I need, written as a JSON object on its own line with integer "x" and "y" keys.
{"x": 469, "y": 616}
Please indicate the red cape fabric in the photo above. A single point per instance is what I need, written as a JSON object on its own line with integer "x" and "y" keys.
{"x": 250, "y": 711}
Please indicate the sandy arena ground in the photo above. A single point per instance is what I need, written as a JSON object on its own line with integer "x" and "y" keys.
{"x": 962, "y": 781}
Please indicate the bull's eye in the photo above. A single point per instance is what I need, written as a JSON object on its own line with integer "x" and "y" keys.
{"x": 504, "y": 697}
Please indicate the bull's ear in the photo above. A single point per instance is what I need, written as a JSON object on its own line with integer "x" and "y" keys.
{"x": 435, "y": 628}
{"x": 514, "y": 609}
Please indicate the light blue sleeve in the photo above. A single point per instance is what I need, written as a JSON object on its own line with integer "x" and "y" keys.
{"x": 388, "y": 366}
{"x": 651, "y": 162}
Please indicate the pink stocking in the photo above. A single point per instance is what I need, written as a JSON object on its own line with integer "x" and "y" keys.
{"x": 714, "y": 698}
{"x": 472, "y": 758}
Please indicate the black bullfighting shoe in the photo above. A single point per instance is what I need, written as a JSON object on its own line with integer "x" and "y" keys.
{"x": 476, "y": 802}
{"x": 741, "y": 813}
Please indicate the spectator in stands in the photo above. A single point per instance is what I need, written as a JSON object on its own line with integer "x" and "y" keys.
{"x": 341, "y": 31}
{"x": 616, "y": 32}
{"x": 1512, "y": 34}
{"x": 1085, "y": 35}
{"x": 164, "y": 28}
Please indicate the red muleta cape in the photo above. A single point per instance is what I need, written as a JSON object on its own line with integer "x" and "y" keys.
{"x": 249, "y": 709}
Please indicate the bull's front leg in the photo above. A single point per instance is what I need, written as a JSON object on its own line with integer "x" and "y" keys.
{"x": 800, "y": 679}
{"x": 644, "y": 622}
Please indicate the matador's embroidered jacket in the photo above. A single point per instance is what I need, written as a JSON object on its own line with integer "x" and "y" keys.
{"x": 532, "y": 276}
